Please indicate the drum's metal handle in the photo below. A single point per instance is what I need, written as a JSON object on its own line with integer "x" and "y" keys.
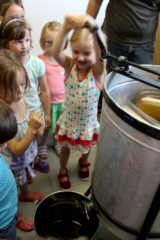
{"x": 122, "y": 66}
{"x": 36, "y": 202}
{"x": 88, "y": 207}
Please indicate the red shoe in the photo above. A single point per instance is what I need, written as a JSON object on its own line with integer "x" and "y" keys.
{"x": 30, "y": 198}
{"x": 28, "y": 226}
{"x": 84, "y": 175}
{"x": 65, "y": 185}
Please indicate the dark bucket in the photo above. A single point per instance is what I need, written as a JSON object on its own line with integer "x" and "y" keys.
{"x": 62, "y": 215}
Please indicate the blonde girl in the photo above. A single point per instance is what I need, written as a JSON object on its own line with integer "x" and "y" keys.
{"x": 77, "y": 128}
{"x": 22, "y": 149}
{"x": 15, "y": 35}
{"x": 55, "y": 79}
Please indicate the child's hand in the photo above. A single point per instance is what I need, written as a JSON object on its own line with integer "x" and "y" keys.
{"x": 47, "y": 121}
{"x": 74, "y": 22}
{"x": 36, "y": 120}
{"x": 69, "y": 21}
{"x": 40, "y": 131}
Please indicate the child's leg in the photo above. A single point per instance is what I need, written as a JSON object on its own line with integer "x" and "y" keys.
{"x": 44, "y": 138}
{"x": 64, "y": 155}
{"x": 40, "y": 165}
{"x": 24, "y": 190}
{"x": 55, "y": 147}
{"x": 54, "y": 140}
{"x": 84, "y": 160}
{"x": 23, "y": 223}
{"x": 63, "y": 174}
{"x": 42, "y": 150}
{"x": 27, "y": 195}
{"x": 84, "y": 166}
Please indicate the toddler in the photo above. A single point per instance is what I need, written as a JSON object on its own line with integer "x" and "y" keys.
{"x": 22, "y": 149}
{"x": 78, "y": 128}
{"x": 15, "y": 34}
{"x": 55, "y": 79}
{"x": 8, "y": 190}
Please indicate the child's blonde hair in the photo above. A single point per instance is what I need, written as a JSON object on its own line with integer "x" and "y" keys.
{"x": 52, "y": 26}
{"x": 81, "y": 35}
{"x": 9, "y": 65}
{"x": 13, "y": 28}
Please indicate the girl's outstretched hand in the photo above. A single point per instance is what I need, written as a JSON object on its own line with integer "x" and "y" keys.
{"x": 36, "y": 120}
{"x": 73, "y": 21}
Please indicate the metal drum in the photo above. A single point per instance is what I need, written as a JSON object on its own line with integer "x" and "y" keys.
{"x": 127, "y": 168}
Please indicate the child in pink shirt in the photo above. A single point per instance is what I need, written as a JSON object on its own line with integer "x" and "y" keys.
{"x": 55, "y": 79}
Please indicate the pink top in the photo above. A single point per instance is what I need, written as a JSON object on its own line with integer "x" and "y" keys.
{"x": 55, "y": 79}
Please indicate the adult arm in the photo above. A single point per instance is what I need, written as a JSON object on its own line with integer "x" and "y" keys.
{"x": 99, "y": 66}
{"x": 94, "y": 7}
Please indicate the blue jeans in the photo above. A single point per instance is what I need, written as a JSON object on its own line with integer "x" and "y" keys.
{"x": 139, "y": 55}
{"x": 9, "y": 232}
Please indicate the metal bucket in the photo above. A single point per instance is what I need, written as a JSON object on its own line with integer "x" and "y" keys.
{"x": 62, "y": 215}
{"x": 127, "y": 168}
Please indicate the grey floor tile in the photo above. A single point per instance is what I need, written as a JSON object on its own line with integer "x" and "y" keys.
{"x": 41, "y": 183}
{"x": 27, "y": 209}
{"x": 25, "y": 235}
{"x": 93, "y": 149}
{"x": 104, "y": 234}
{"x": 81, "y": 188}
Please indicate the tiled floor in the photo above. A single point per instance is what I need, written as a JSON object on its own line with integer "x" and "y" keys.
{"x": 47, "y": 183}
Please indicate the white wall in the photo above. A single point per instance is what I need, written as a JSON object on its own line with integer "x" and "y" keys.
{"x": 39, "y": 12}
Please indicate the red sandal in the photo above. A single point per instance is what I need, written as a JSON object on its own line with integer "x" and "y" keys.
{"x": 84, "y": 175}
{"x": 27, "y": 227}
{"x": 30, "y": 198}
{"x": 65, "y": 185}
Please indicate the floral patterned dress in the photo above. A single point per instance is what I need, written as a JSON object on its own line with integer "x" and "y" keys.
{"x": 78, "y": 128}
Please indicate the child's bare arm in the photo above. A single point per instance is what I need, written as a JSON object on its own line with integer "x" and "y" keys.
{"x": 59, "y": 43}
{"x": 18, "y": 148}
{"x": 46, "y": 98}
